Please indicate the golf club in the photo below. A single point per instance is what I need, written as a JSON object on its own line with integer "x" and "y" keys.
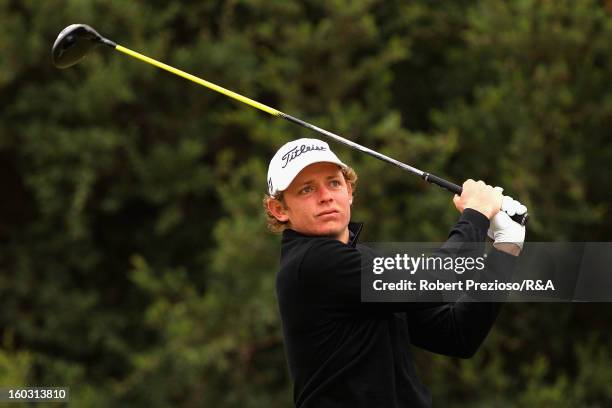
{"x": 76, "y": 40}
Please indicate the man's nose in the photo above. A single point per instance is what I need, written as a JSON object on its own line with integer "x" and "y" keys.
{"x": 324, "y": 194}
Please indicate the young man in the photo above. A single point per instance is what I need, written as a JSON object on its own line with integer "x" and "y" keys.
{"x": 343, "y": 352}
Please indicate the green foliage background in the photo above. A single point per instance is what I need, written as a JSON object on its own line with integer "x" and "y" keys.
{"x": 134, "y": 263}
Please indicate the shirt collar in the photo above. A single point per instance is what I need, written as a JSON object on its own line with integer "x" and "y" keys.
{"x": 354, "y": 231}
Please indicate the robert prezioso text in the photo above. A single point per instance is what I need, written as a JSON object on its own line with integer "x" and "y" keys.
{"x": 467, "y": 285}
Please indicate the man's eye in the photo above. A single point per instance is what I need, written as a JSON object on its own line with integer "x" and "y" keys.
{"x": 335, "y": 183}
{"x": 306, "y": 190}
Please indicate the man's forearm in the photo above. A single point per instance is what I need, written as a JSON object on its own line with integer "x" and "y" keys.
{"x": 508, "y": 248}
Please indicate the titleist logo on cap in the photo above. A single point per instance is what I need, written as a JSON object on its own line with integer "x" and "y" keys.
{"x": 298, "y": 151}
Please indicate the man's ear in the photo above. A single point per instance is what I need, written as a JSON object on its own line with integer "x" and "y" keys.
{"x": 349, "y": 188}
{"x": 278, "y": 210}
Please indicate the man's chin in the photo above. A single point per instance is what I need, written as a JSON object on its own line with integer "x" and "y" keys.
{"x": 333, "y": 229}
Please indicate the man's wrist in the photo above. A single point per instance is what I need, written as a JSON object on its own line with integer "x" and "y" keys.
{"x": 487, "y": 212}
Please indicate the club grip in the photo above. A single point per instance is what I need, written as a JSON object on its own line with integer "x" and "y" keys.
{"x": 454, "y": 188}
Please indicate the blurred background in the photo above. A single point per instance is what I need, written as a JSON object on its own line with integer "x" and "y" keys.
{"x": 135, "y": 267}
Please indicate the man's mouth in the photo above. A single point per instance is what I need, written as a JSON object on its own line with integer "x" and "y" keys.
{"x": 327, "y": 212}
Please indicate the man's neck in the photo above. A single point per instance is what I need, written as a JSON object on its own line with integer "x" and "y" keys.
{"x": 344, "y": 237}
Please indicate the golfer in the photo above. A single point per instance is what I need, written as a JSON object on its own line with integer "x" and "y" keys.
{"x": 343, "y": 352}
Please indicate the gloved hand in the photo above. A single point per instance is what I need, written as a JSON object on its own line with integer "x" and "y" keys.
{"x": 502, "y": 228}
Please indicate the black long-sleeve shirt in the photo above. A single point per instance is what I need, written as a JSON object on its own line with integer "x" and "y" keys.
{"x": 346, "y": 353}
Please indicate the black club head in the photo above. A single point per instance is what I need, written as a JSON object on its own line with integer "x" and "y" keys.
{"x": 74, "y": 42}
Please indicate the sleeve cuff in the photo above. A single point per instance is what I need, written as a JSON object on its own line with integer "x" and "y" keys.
{"x": 476, "y": 218}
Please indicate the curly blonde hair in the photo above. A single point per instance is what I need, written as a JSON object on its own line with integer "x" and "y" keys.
{"x": 276, "y": 226}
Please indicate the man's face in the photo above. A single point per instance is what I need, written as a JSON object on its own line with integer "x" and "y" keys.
{"x": 318, "y": 202}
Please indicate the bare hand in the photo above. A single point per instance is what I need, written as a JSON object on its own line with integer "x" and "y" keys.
{"x": 480, "y": 197}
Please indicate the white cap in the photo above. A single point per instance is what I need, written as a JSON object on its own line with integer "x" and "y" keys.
{"x": 290, "y": 159}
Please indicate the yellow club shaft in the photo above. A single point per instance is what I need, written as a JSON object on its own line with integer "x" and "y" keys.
{"x": 199, "y": 81}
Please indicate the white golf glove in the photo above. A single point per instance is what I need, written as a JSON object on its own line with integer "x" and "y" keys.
{"x": 502, "y": 227}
